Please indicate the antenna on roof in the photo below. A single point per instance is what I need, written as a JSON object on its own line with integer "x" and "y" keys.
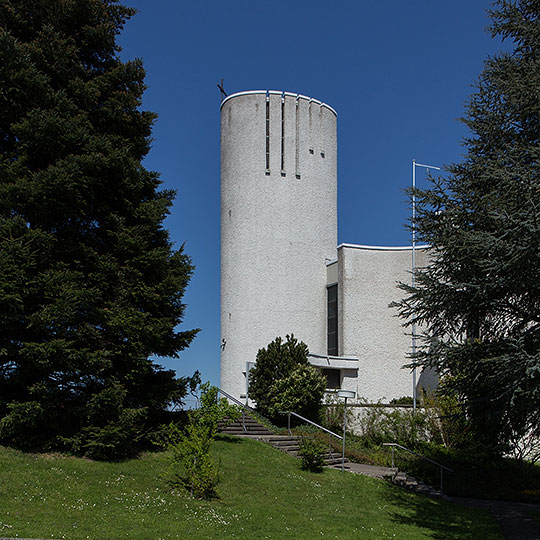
{"x": 220, "y": 86}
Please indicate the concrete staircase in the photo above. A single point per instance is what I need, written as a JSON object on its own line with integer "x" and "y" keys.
{"x": 255, "y": 430}
{"x": 410, "y": 483}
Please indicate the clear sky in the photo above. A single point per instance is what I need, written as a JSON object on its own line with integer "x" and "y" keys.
{"x": 398, "y": 72}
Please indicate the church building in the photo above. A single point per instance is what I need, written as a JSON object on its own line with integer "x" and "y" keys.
{"x": 282, "y": 271}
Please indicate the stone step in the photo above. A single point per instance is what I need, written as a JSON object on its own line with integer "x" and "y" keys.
{"x": 247, "y": 424}
{"x": 334, "y": 461}
{"x": 285, "y": 443}
{"x": 231, "y": 422}
{"x": 251, "y": 425}
{"x": 287, "y": 447}
{"x": 281, "y": 438}
{"x": 254, "y": 434}
{"x": 410, "y": 483}
{"x": 239, "y": 429}
{"x": 278, "y": 438}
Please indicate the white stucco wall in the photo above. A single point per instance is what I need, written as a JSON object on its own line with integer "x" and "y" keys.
{"x": 367, "y": 327}
{"x": 278, "y": 227}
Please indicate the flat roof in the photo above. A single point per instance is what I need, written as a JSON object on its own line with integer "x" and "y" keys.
{"x": 382, "y": 248}
{"x": 279, "y": 93}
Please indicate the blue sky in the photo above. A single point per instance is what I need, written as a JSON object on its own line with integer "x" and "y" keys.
{"x": 398, "y": 73}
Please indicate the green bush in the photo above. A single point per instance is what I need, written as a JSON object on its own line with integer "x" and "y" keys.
{"x": 403, "y": 400}
{"x": 20, "y": 424}
{"x": 301, "y": 392}
{"x": 380, "y": 424}
{"x": 283, "y": 380}
{"x": 312, "y": 454}
{"x": 191, "y": 463}
{"x": 332, "y": 414}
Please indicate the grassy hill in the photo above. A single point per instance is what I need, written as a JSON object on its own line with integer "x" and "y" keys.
{"x": 263, "y": 494}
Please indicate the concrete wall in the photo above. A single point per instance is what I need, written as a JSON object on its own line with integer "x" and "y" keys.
{"x": 368, "y": 328}
{"x": 278, "y": 224}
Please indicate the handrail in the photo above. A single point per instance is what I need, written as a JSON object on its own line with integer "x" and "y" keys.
{"x": 228, "y": 396}
{"x": 441, "y": 467}
{"x": 418, "y": 455}
{"x": 288, "y": 413}
{"x": 240, "y": 404}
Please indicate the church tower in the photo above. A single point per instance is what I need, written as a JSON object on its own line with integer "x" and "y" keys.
{"x": 278, "y": 224}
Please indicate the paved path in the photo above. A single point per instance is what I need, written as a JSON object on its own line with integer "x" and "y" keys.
{"x": 366, "y": 470}
{"x": 514, "y": 517}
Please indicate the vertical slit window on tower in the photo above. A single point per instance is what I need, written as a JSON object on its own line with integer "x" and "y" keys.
{"x": 332, "y": 320}
{"x": 310, "y": 131}
{"x": 267, "y": 135}
{"x": 282, "y": 136}
{"x": 297, "y": 139}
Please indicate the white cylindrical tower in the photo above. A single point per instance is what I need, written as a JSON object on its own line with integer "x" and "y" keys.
{"x": 278, "y": 224}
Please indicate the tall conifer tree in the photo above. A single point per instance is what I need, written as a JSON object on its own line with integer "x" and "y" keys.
{"x": 90, "y": 285}
{"x": 480, "y": 297}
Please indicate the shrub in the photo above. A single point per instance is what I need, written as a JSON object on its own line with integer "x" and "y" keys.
{"x": 382, "y": 424}
{"x": 403, "y": 400}
{"x": 447, "y": 419}
{"x": 191, "y": 463}
{"x": 301, "y": 391}
{"x": 332, "y": 414}
{"x": 19, "y": 425}
{"x": 283, "y": 379}
{"x": 312, "y": 454}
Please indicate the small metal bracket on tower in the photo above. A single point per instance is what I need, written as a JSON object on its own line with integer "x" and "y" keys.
{"x": 223, "y": 93}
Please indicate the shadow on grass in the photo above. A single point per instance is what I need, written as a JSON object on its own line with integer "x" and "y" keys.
{"x": 443, "y": 520}
{"x": 535, "y": 516}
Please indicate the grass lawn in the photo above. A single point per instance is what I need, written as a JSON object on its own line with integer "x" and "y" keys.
{"x": 263, "y": 494}
{"x": 474, "y": 476}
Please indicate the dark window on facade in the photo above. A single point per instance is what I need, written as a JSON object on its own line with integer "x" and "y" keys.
{"x": 333, "y": 378}
{"x": 332, "y": 321}
{"x": 267, "y": 134}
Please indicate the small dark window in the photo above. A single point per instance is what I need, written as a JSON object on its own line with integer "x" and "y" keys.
{"x": 267, "y": 134}
{"x": 333, "y": 378}
{"x": 332, "y": 321}
{"x": 282, "y": 137}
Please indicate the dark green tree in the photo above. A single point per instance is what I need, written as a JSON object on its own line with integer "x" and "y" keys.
{"x": 479, "y": 298}
{"x": 281, "y": 377}
{"x": 90, "y": 285}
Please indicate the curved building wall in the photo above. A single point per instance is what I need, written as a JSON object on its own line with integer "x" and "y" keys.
{"x": 368, "y": 328}
{"x": 278, "y": 224}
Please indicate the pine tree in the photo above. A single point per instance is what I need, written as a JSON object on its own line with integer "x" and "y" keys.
{"x": 479, "y": 299}
{"x": 90, "y": 285}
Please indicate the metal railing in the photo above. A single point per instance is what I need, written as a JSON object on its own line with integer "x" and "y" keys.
{"x": 440, "y": 465}
{"x": 288, "y": 413}
{"x": 244, "y": 406}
